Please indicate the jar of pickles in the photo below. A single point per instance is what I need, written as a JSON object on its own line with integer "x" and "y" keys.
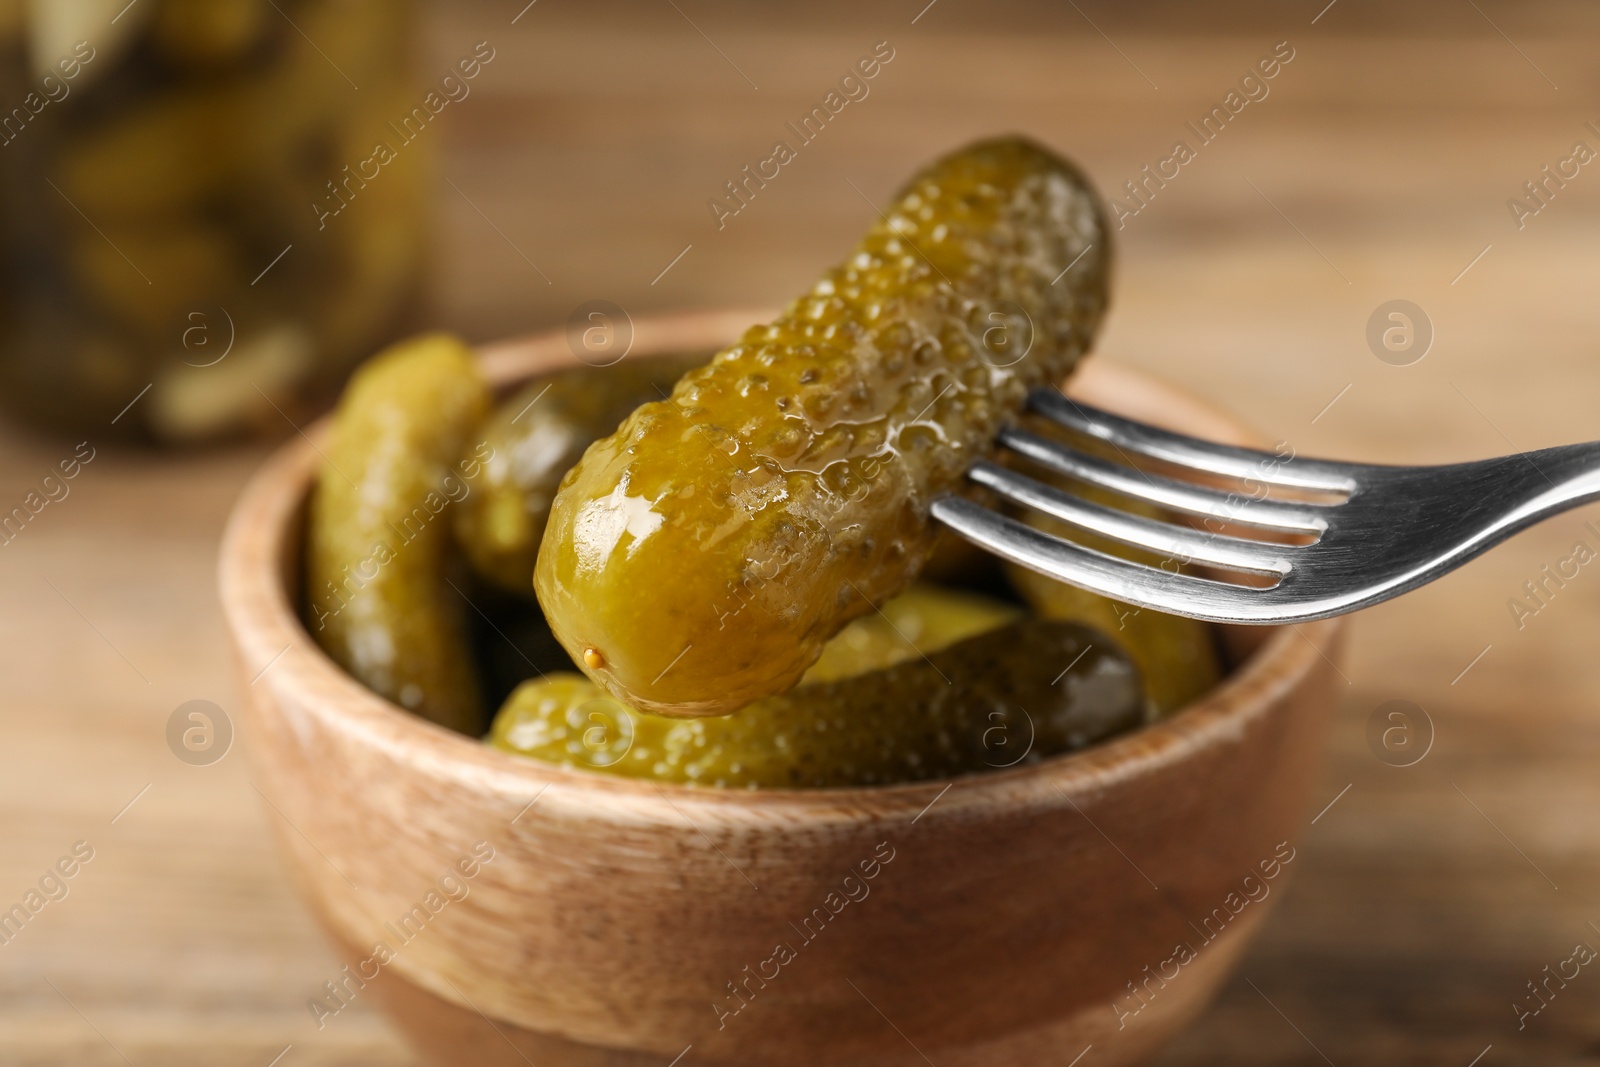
{"x": 171, "y": 261}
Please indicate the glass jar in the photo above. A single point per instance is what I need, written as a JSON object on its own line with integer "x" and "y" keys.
{"x": 187, "y": 244}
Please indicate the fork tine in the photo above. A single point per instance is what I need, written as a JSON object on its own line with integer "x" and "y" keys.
{"x": 1119, "y": 579}
{"x": 1168, "y": 492}
{"x": 1243, "y": 463}
{"x": 1179, "y": 543}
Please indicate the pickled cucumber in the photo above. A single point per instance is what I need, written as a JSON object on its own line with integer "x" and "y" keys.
{"x": 537, "y": 435}
{"x": 699, "y": 558}
{"x": 187, "y": 149}
{"x": 1007, "y": 697}
{"x": 159, "y": 158}
{"x": 923, "y": 619}
{"x": 206, "y": 33}
{"x": 378, "y": 597}
{"x": 191, "y": 403}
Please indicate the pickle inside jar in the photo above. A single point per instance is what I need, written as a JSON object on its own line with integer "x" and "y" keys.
{"x": 198, "y": 135}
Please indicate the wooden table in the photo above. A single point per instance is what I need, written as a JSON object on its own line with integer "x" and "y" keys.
{"x": 1377, "y": 168}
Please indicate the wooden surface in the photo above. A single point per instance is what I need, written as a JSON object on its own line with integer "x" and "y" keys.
{"x": 1378, "y": 168}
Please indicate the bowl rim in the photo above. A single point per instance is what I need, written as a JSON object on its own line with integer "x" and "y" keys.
{"x": 276, "y": 650}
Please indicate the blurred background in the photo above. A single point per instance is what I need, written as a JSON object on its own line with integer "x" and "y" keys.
{"x": 1385, "y": 251}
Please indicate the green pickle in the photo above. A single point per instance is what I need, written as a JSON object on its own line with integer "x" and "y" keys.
{"x": 207, "y": 33}
{"x": 735, "y": 568}
{"x": 537, "y": 436}
{"x": 923, "y": 619}
{"x": 379, "y": 598}
{"x": 1008, "y": 696}
{"x": 700, "y": 558}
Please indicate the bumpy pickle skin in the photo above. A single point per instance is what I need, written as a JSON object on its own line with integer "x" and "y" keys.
{"x": 699, "y": 558}
{"x": 378, "y": 599}
{"x": 537, "y": 435}
{"x": 986, "y": 703}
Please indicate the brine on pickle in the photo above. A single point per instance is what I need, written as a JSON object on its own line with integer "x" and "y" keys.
{"x": 741, "y": 541}
{"x": 534, "y": 438}
{"x": 699, "y": 558}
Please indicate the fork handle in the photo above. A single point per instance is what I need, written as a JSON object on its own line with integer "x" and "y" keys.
{"x": 1556, "y": 479}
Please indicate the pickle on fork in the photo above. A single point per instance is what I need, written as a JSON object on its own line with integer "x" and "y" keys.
{"x": 700, "y": 557}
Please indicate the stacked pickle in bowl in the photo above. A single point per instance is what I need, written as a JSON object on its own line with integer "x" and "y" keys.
{"x": 719, "y": 570}
{"x": 166, "y": 171}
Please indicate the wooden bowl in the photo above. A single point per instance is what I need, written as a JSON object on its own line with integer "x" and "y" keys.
{"x": 505, "y": 911}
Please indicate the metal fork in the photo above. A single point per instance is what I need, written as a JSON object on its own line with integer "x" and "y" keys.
{"x": 1391, "y": 530}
